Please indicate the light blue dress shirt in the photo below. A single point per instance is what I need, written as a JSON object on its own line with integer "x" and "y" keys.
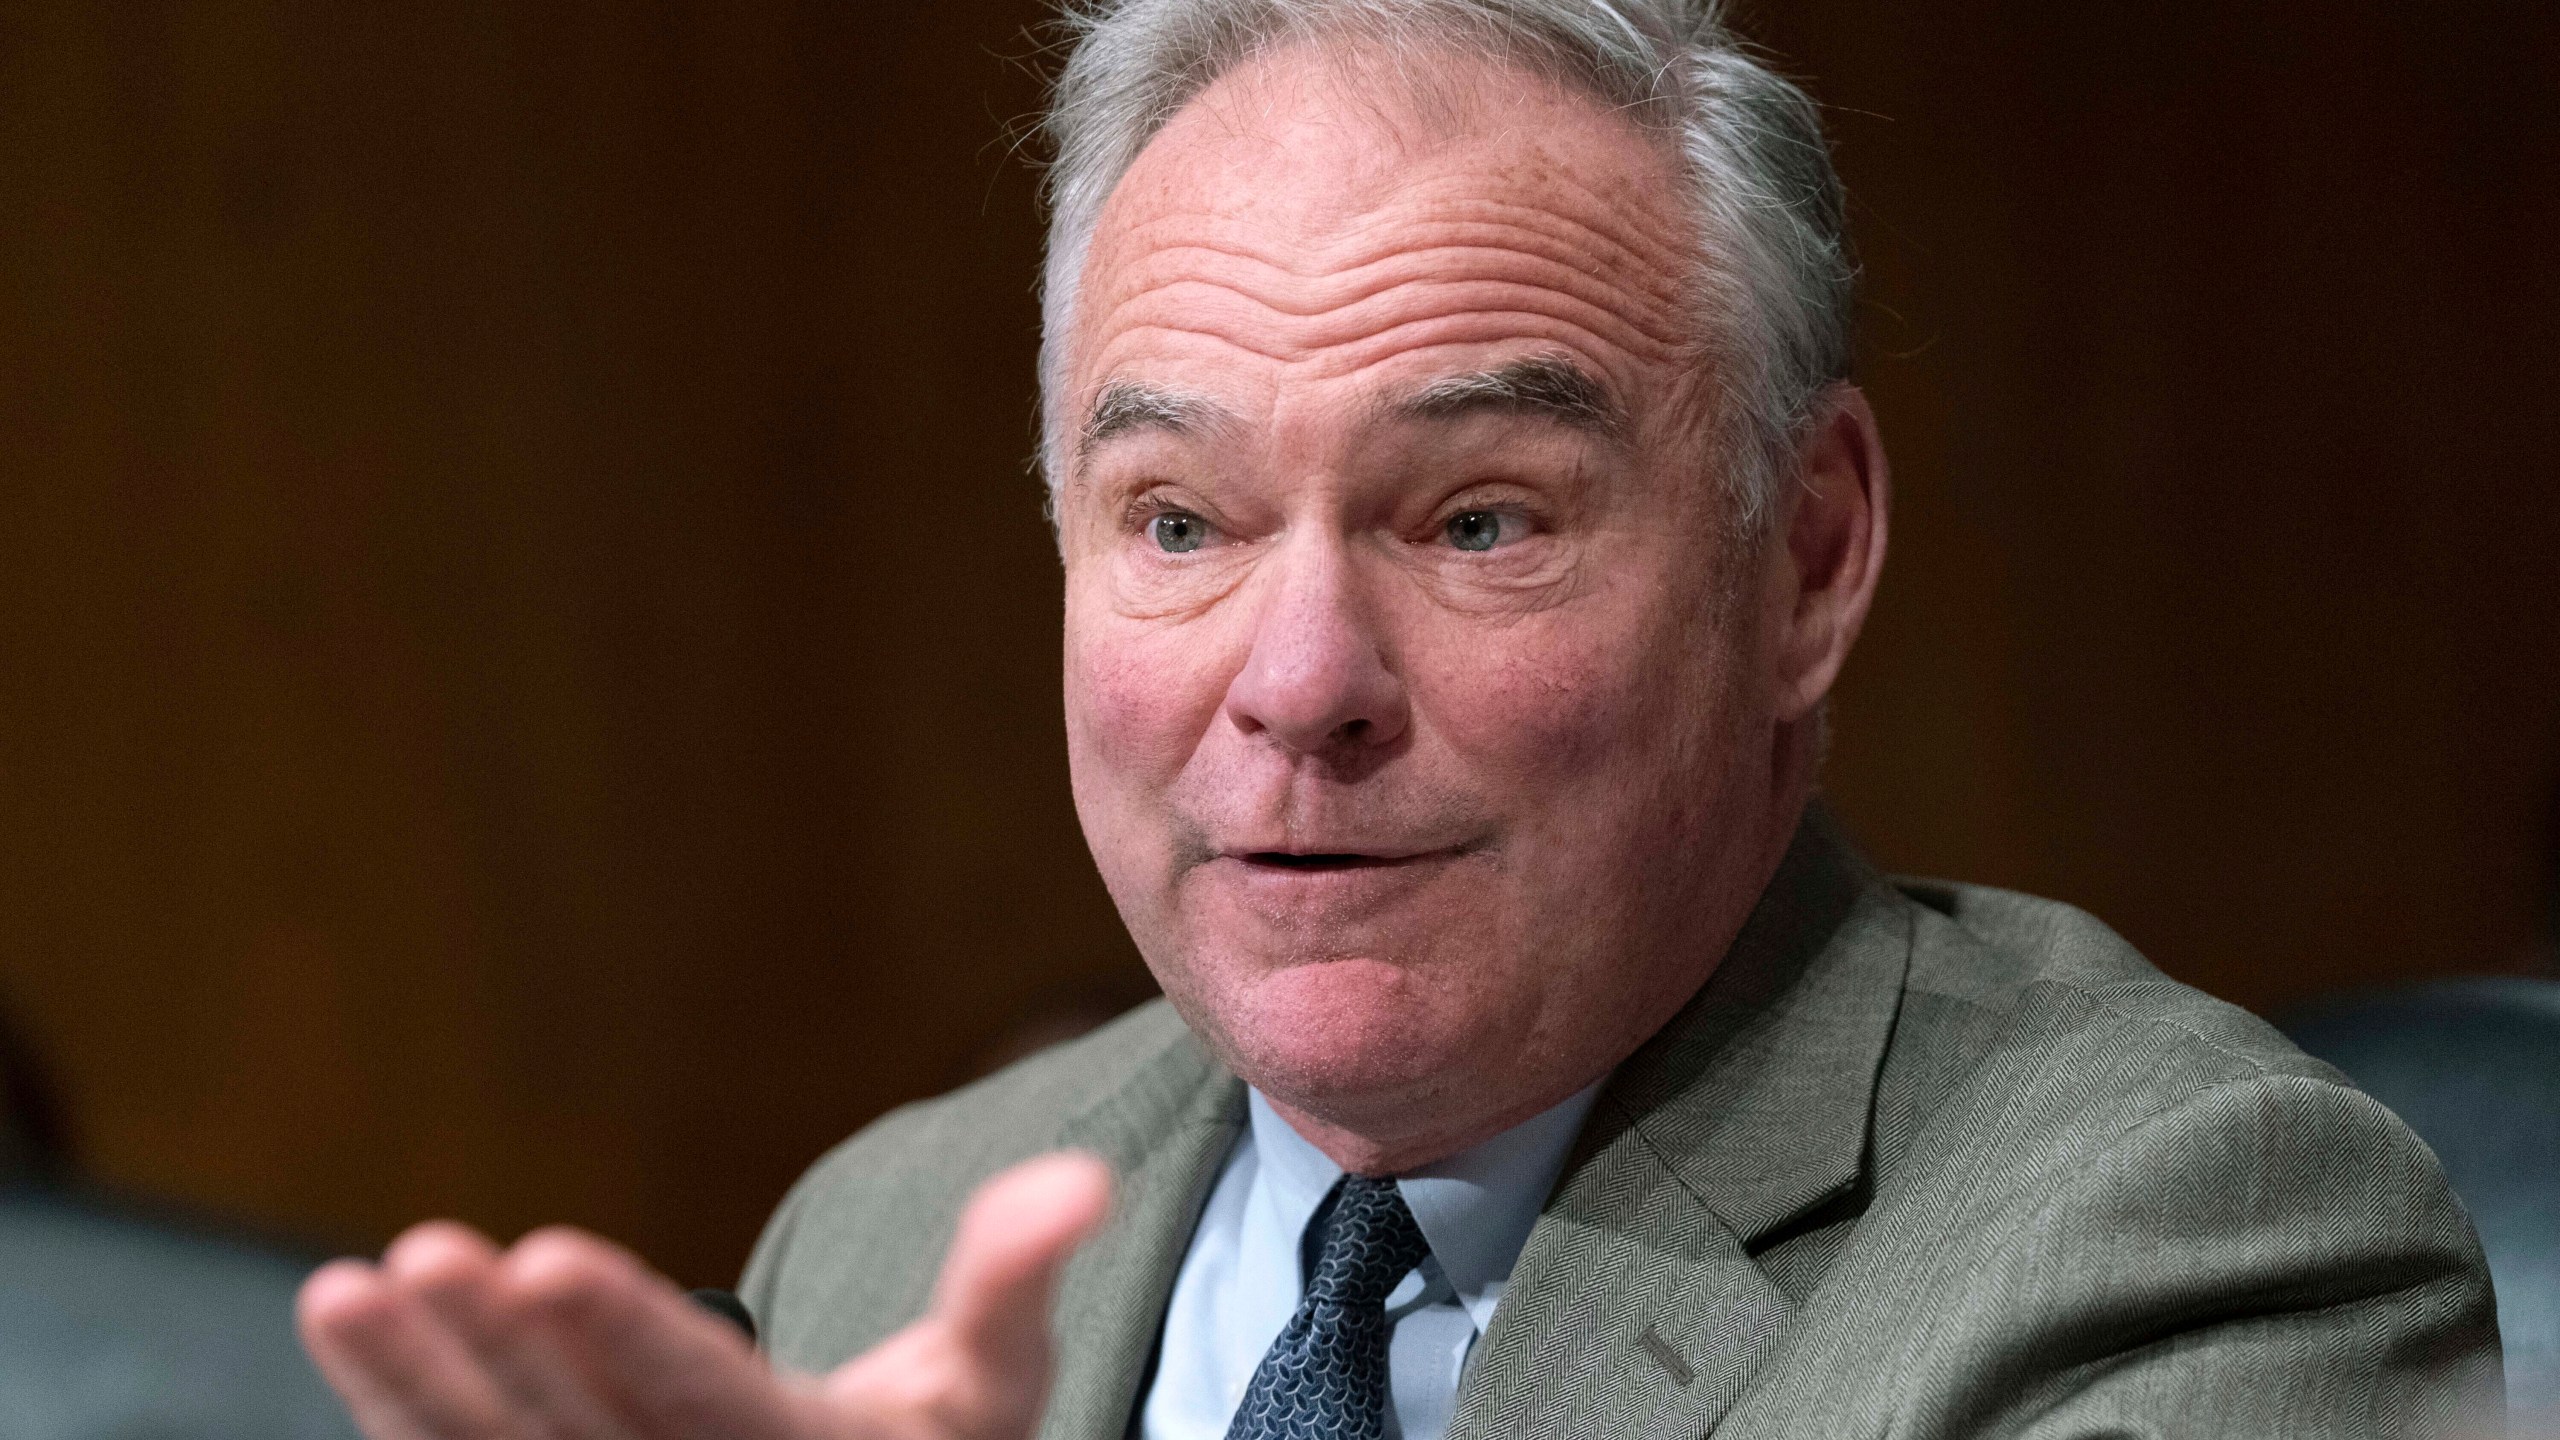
{"x": 1241, "y": 1279}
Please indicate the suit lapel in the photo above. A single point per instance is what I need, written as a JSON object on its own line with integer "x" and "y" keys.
{"x": 1630, "y": 1304}
{"x": 1636, "y": 1309}
{"x": 1165, "y": 1134}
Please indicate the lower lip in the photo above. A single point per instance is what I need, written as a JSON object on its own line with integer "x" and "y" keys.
{"x": 1351, "y": 883}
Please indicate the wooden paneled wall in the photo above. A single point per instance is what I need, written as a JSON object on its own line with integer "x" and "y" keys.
{"x": 527, "y": 644}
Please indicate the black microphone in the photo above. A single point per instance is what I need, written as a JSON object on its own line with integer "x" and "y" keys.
{"x": 729, "y": 1307}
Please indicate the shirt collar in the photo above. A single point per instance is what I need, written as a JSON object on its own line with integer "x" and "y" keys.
{"x": 1476, "y": 1207}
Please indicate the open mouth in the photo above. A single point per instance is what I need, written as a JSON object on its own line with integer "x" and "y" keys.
{"x": 1284, "y": 860}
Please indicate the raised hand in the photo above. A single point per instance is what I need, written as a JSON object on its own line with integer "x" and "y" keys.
{"x": 564, "y": 1336}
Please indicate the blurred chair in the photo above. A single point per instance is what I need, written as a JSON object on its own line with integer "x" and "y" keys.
{"x": 2474, "y": 1067}
{"x": 120, "y": 1324}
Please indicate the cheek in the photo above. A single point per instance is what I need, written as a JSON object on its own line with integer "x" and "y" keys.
{"x": 1138, "y": 698}
{"x": 1568, "y": 699}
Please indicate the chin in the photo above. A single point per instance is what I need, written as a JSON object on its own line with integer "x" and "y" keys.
{"x": 1337, "y": 1036}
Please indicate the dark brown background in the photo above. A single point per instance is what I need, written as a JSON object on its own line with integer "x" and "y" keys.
{"x": 527, "y": 647}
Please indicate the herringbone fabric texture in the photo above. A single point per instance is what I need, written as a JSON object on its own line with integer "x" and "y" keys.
{"x": 1325, "y": 1378}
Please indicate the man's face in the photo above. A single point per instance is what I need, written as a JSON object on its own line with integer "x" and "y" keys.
{"x": 1413, "y": 699}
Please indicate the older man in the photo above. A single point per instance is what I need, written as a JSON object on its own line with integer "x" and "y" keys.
{"x": 1465, "y": 513}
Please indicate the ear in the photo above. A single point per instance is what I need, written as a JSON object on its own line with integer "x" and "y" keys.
{"x": 1833, "y": 519}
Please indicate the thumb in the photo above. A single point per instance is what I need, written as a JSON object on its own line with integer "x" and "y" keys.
{"x": 1014, "y": 1239}
{"x": 977, "y": 1364}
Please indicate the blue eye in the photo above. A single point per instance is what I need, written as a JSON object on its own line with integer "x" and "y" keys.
{"x": 1178, "y": 532}
{"x": 1483, "y": 529}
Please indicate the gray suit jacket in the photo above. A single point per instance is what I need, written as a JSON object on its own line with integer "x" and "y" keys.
{"x": 1922, "y": 1161}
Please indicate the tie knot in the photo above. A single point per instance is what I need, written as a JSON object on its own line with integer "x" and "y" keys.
{"x": 1370, "y": 1243}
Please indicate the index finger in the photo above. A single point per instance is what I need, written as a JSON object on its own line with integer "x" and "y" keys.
{"x": 650, "y": 1354}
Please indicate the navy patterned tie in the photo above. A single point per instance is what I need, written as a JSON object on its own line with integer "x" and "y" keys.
{"x": 1325, "y": 1378}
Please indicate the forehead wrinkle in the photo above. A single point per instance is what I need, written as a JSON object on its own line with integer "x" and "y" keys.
{"x": 1485, "y": 310}
{"x": 1634, "y": 236}
{"x": 1592, "y": 254}
{"x": 1637, "y": 237}
{"x": 1557, "y": 341}
{"x": 1652, "y": 265}
{"x": 1642, "y": 307}
{"x": 1454, "y": 261}
{"x": 1491, "y": 327}
{"x": 1193, "y": 332}
{"x": 1646, "y": 252}
{"x": 1431, "y": 290}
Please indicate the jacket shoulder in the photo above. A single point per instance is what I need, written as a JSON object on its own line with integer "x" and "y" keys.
{"x": 2099, "y": 1194}
{"x": 851, "y": 1254}
{"x": 2000, "y": 980}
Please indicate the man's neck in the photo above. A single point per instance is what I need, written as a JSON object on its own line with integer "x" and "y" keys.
{"x": 1362, "y": 1154}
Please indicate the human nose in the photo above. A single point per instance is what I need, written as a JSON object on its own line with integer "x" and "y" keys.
{"x": 1317, "y": 679}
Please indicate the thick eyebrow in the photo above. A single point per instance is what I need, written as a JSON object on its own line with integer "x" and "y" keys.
{"x": 1126, "y": 406}
{"x": 1545, "y": 386}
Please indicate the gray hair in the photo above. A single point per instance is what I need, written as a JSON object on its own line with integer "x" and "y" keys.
{"x": 1774, "y": 278}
